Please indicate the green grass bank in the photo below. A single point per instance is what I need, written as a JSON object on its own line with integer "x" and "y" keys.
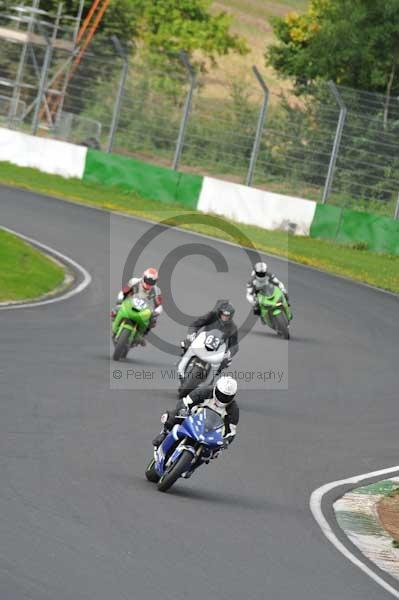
{"x": 25, "y": 273}
{"x": 381, "y": 270}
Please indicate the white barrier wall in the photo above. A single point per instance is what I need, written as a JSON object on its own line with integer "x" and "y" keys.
{"x": 236, "y": 202}
{"x": 256, "y": 207}
{"x": 49, "y": 156}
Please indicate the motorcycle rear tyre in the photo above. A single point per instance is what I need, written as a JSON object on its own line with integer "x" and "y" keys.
{"x": 193, "y": 379}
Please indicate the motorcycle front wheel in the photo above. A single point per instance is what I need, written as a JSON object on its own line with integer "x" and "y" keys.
{"x": 175, "y": 471}
{"x": 281, "y": 325}
{"x": 122, "y": 345}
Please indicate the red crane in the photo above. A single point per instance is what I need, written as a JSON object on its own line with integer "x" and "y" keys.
{"x": 85, "y": 34}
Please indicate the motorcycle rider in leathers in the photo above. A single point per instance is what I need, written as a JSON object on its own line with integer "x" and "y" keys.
{"x": 220, "y": 318}
{"x": 219, "y": 397}
{"x": 144, "y": 287}
{"x": 260, "y": 276}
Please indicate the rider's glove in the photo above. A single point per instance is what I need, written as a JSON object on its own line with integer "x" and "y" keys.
{"x": 191, "y": 337}
{"x": 187, "y": 402}
{"x": 164, "y": 418}
{"x": 226, "y": 362}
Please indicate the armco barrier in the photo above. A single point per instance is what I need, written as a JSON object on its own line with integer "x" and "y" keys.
{"x": 150, "y": 181}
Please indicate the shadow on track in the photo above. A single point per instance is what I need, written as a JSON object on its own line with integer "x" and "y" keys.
{"x": 182, "y": 493}
{"x": 294, "y": 339}
{"x": 212, "y": 497}
{"x": 134, "y": 361}
{"x": 267, "y": 333}
{"x": 231, "y": 501}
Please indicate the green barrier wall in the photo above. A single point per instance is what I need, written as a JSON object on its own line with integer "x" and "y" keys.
{"x": 189, "y": 190}
{"x": 381, "y": 234}
{"x": 150, "y": 181}
{"x": 326, "y": 221}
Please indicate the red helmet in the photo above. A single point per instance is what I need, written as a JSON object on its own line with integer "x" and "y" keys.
{"x": 150, "y": 277}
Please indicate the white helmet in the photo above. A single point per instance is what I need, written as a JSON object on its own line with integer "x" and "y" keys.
{"x": 260, "y": 269}
{"x": 224, "y": 391}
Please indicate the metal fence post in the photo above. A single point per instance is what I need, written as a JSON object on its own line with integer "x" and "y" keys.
{"x": 397, "y": 209}
{"x": 259, "y": 127}
{"x": 186, "y": 111}
{"x": 121, "y": 90}
{"x": 21, "y": 66}
{"x": 337, "y": 141}
{"x": 43, "y": 80}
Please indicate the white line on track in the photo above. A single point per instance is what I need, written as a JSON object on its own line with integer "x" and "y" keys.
{"x": 316, "y": 500}
{"x": 75, "y": 290}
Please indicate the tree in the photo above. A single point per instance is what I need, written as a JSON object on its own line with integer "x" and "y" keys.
{"x": 352, "y": 42}
{"x": 120, "y": 18}
{"x": 159, "y": 30}
{"x": 167, "y": 26}
{"x": 164, "y": 26}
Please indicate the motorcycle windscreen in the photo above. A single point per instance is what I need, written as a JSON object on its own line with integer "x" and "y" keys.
{"x": 267, "y": 290}
{"x": 205, "y": 426}
{"x": 209, "y": 420}
{"x": 140, "y": 311}
{"x": 213, "y": 421}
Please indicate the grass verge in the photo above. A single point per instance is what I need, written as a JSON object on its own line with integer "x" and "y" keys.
{"x": 361, "y": 265}
{"x": 25, "y": 273}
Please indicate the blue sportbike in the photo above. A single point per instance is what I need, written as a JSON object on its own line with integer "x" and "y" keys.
{"x": 187, "y": 446}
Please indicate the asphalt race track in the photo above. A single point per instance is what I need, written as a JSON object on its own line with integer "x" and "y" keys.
{"x": 79, "y": 521}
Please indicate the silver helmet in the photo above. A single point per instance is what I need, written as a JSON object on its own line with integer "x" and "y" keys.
{"x": 260, "y": 269}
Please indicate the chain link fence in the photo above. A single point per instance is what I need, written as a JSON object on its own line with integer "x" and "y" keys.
{"x": 333, "y": 144}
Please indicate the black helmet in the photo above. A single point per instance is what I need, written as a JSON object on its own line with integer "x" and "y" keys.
{"x": 226, "y": 311}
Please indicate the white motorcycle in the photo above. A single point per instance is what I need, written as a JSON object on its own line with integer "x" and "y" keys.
{"x": 201, "y": 361}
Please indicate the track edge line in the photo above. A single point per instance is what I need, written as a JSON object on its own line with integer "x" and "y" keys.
{"x": 315, "y": 504}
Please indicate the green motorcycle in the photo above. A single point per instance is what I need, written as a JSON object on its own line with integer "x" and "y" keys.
{"x": 130, "y": 324}
{"x": 274, "y": 309}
